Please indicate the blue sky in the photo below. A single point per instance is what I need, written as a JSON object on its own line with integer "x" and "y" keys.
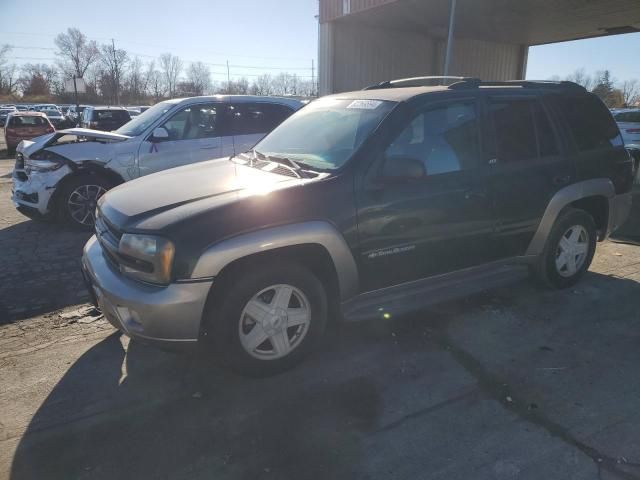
{"x": 256, "y": 36}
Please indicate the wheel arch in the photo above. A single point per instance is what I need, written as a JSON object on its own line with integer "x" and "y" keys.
{"x": 317, "y": 244}
{"x": 592, "y": 196}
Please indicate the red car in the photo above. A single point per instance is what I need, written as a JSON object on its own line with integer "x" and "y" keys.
{"x": 25, "y": 126}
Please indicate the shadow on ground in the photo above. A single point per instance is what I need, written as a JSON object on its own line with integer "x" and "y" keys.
{"x": 520, "y": 382}
{"x": 39, "y": 269}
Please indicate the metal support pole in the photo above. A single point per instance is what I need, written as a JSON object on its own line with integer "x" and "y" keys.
{"x": 75, "y": 93}
{"x": 447, "y": 58}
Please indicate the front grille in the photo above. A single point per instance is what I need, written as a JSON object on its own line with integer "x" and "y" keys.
{"x": 109, "y": 238}
{"x": 19, "y": 161}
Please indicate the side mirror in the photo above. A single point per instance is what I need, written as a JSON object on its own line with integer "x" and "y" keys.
{"x": 159, "y": 134}
{"x": 399, "y": 168}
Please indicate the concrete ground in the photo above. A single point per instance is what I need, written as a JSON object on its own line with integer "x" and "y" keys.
{"x": 516, "y": 383}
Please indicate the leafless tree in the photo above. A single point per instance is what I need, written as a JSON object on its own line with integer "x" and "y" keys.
{"x": 8, "y": 72}
{"x": 630, "y": 91}
{"x": 171, "y": 67}
{"x": 153, "y": 80}
{"x": 113, "y": 61}
{"x": 262, "y": 85}
{"x": 199, "y": 76}
{"x": 135, "y": 82}
{"x": 582, "y": 78}
{"x": 38, "y": 79}
{"x": 75, "y": 52}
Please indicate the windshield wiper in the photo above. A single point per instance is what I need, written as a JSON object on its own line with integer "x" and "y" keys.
{"x": 301, "y": 169}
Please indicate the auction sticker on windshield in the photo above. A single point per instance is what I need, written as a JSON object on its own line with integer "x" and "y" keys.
{"x": 365, "y": 104}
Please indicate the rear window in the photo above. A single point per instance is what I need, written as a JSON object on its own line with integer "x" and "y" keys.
{"x": 27, "y": 122}
{"x": 110, "y": 115}
{"x": 631, "y": 117}
{"x": 253, "y": 118}
{"x": 590, "y": 122}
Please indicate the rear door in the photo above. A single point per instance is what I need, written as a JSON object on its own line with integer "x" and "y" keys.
{"x": 527, "y": 167}
{"x": 252, "y": 121}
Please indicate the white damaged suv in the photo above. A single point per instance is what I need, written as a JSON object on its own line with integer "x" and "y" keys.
{"x": 62, "y": 175}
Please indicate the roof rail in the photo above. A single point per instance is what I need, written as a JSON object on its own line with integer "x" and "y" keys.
{"x": 417, "y": 82}
{"x": 551, "y": 84}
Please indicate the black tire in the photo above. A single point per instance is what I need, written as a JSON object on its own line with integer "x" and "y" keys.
{"x": 545, "y": 269}
{"x": 223, "y": 316}
{"x": 64, "y": 213}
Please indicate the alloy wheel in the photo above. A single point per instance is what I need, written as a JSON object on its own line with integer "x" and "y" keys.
{"x": 274, "y": 322}
{"x": 82, "y": 203}
{"x": 572, "y": 251}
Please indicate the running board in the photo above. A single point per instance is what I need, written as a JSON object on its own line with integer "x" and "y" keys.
{"x": 412, "y": 296}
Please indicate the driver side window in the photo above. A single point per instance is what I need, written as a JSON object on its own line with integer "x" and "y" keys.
{"x": 443, "y": 139}
{"x": 192, "y": 123}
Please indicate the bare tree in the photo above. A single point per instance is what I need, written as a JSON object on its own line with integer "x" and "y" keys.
{"x": 113, "y": 61}
{"x": 582, "y": 78}
{"x": 630, "y": 91}
{"x": 8, "y": 72}
{"x": 199, "y": 76}
{"x": 262, "y": 85}
{"x": 37, "y": 79}
{"x": 171, "y": 67}
{"x": 76, "y": 53}
{"x": 153, "y": 79}
{"x": 135, "y": 82}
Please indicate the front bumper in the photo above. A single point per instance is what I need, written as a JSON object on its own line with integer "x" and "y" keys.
{"x": 33, "y": 193}
{"x": 167, "y": 317}
{"x": 619, "y": 209}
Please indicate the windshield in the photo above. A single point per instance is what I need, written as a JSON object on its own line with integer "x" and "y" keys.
{"x": 325, "y": 133}
{"x": 140, "y": 123}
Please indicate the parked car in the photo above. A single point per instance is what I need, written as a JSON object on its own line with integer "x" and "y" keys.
{"x": 54, "y": 115}
{"x": 371, "y": 204}
{"x": 4, "y": 112}
{"x": 75, "y": 113}
{"x": 25, "y": 126}
{"x": 64, "y": 174}
{"x": 22, "y": 108}
{"x": 104, "y": 118}
{"x": 629, "y": 123}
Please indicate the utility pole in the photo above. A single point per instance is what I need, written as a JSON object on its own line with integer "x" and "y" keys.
{"x": 116, "y": 70}
{"x": 228, "y": 78}
{"x": 313, "y": 78}
{"x": 447, "y": 58}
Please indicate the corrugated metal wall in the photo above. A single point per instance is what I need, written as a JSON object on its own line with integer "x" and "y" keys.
{"x": 364, "y": 55}
{"x": 483, "y": 59}
{"x": 332, "y": 9}
{"x": 352, "y": 56}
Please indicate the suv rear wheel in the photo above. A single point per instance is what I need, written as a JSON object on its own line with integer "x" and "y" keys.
{"x": 78, "y": 198}
{"x": 569, "y": 249}
{"x": 268, "y": 318}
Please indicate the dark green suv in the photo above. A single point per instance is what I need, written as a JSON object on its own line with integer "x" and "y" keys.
{"x": 363, "y": 204}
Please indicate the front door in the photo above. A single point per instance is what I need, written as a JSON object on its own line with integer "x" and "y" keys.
{"x": 194, "y": 136}
{"x": 436, "y": 219}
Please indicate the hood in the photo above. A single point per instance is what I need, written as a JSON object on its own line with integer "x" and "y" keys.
{"x": 91, "y": 134}
{"x": 152, "y": 202}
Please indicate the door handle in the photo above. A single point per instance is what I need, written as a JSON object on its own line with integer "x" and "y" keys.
{"x": 471, "y": 194}
{"x": 562, "y": 179}
{"x": 209, "y": 146}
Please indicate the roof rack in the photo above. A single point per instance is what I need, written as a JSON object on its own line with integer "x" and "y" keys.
{"x": 417, "y": 82}
{"x": 551, "y": 84}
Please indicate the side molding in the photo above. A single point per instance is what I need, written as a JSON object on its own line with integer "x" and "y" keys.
{"x": 218, "y": 256}
{"x": 588, "y": 188}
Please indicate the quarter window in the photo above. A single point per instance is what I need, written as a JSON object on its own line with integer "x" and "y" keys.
{"x": 443, "y": 139}
{"x": 252, "y": 118}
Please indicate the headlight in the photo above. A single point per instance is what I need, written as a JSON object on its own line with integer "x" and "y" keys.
{"x": 44, "y": 161}
{"x": 146, "y": 257}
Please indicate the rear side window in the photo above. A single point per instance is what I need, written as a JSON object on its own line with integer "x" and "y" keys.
{"x": 514, "y": 125}
{"x": 254, "y": 118}
{"x": 110, "y": 115}
{"x": 631, "y": 117}
{"x": 27, "y": 122}
{"x": 590, "y": 122}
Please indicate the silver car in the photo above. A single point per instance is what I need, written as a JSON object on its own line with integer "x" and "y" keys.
{"x": 64, "y": 173}
{"x": 628, "y": 121}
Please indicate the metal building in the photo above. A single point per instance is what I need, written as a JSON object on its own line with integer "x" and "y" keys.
{"x": 362, "y": 42}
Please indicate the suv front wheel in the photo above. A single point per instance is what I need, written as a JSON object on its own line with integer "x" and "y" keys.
{"x": 267, "y": 318}
{"x": 569, "y": 249}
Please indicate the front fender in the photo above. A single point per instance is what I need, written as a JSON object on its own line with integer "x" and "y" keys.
{"x": 218, "y": 256}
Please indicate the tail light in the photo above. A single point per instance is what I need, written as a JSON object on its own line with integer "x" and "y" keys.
{"x": 633, "y": 130}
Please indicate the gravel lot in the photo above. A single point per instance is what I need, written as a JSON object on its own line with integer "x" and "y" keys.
{"x": 517, "y": 383}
